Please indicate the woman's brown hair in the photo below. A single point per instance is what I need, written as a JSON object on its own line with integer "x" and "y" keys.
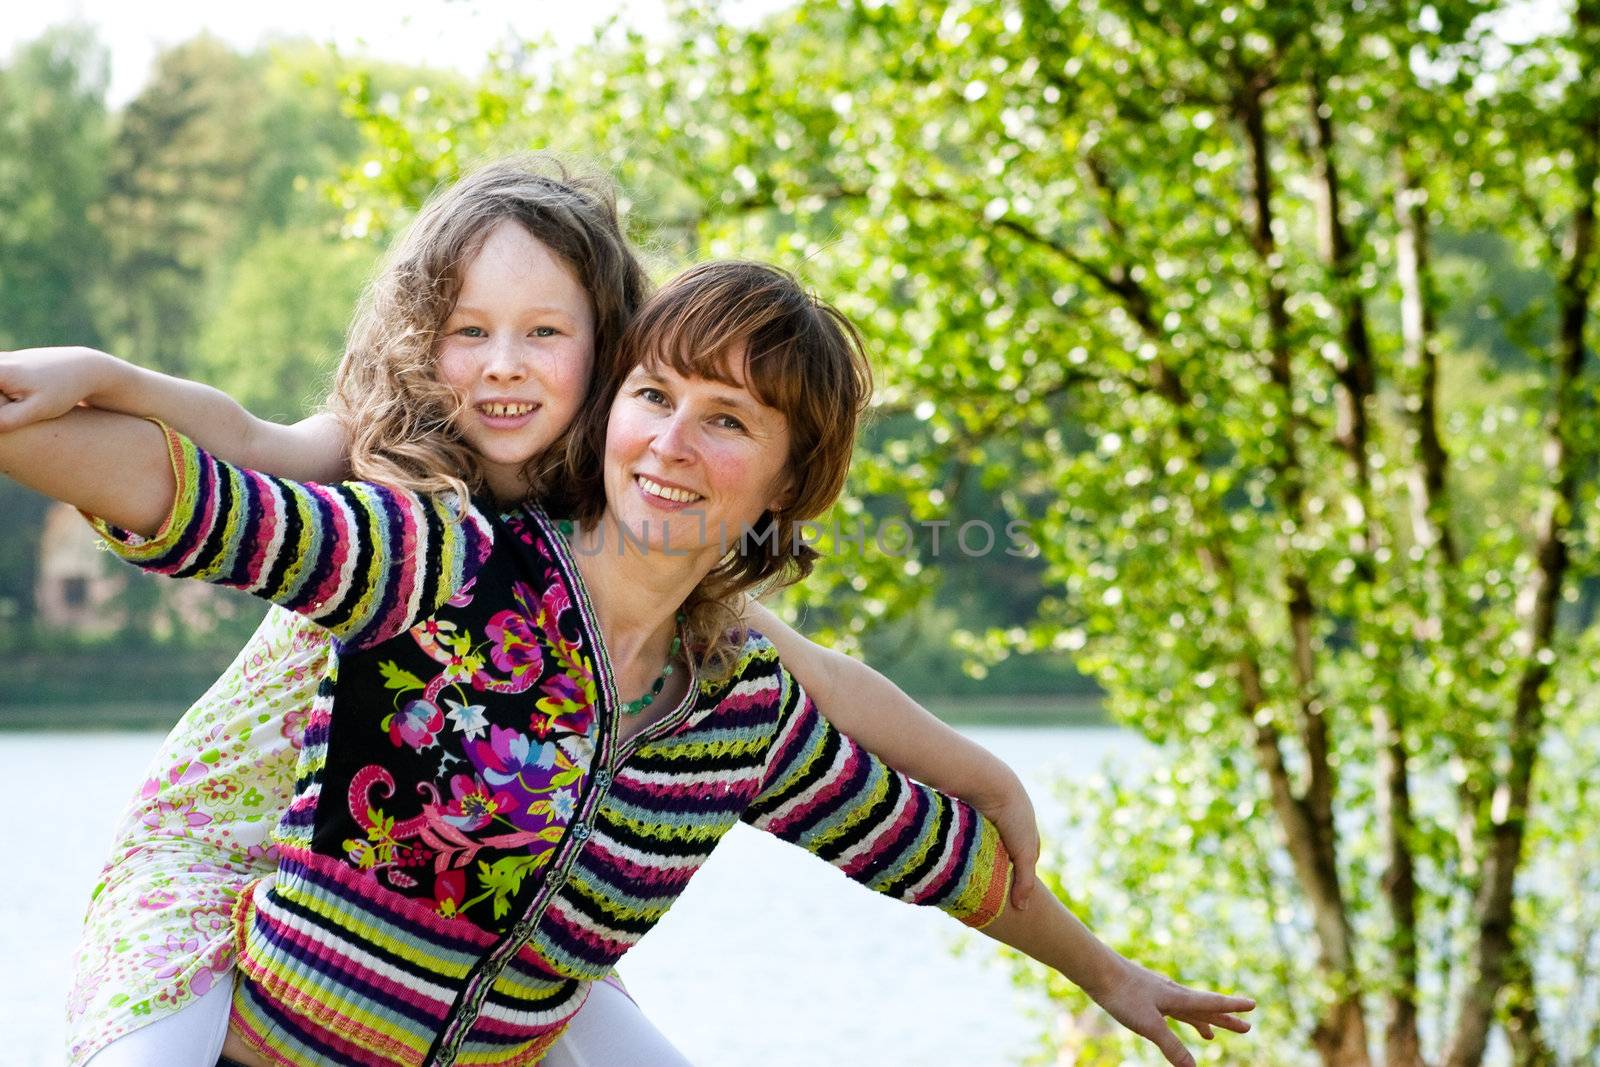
{"x": 388, "y": 394}
{"x": 802, "y": 357}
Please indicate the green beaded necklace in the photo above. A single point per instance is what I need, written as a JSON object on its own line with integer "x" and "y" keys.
{"x": 634, "y": 707}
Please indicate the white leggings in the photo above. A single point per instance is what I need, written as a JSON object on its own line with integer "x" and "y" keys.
{"x": 609, "y": 1031}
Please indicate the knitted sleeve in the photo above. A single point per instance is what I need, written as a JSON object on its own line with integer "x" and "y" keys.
{"x": 362, "y": 560}
{"x": 830, "y": 796}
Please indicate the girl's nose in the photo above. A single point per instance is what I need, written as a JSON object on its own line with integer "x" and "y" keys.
{"x": 504, "y": 362}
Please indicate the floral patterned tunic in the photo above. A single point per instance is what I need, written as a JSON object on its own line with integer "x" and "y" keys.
{"x": 470, "y": 845}
{"x": 158, "y": 932}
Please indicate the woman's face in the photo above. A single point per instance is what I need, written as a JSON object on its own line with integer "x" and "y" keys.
{"x": 690, "y": 462}
{"x": 518, "y": 349}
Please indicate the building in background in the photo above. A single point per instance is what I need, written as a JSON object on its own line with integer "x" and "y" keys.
{"x": 78, "y": 583}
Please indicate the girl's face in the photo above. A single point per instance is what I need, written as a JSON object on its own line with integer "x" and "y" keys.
{"x": 691, "y": 462}
{"x": 518, "y": 349}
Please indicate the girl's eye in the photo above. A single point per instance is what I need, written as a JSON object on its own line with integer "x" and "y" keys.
{"x": 545, "y": 331}
{"x": 472, "y": 331}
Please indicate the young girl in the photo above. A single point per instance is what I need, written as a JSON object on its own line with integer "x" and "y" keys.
{"x": 448, "y": 891}
{"x": 156, "y": 938}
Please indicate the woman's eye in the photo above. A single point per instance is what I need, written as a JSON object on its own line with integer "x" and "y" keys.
{"x": 728, "y": 422}
{"x": 651, "y": 396}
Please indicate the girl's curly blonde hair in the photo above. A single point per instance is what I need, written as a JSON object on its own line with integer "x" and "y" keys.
{"x": 397, "y": 411}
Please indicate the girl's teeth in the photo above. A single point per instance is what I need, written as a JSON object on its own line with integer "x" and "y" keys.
{"x": 506, "y": 410}
{"x": 681, "y": 496}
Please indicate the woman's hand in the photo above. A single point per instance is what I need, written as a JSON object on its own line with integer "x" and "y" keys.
{"x": 1006, "y": 804}
{"x": 37, "y": 384}
{"x": 1142, "y": 1000}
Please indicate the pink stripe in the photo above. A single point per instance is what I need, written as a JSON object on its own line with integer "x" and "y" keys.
{"x": 336, "y": 542}
{"x": 828, "y": 789}
{"x": 531, "y": 1032}
{"x": 958, "y": 830}
{"x": 629, "y": 871}
{"x": 207, "y": 471}
{"x": 792, "y": 737}
{"x": 604, "y": 946}
{"x": 406, "y": 570}
{"x": 887, "y": 832}
{"x": 267, "y": 527}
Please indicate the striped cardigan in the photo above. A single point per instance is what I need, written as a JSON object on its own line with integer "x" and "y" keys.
{"x": 471, "y": 845}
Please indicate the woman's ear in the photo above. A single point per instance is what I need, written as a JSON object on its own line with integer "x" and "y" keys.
{"x": 783, "y": 496}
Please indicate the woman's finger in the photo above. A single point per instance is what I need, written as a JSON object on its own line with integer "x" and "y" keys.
{"x": 1167, "y": 1041}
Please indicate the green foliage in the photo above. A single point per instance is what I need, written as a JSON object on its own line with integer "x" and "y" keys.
{"x": 275, "y": 334}
{"x": 1089, "y": 247}
{"x": 54, "y": 136}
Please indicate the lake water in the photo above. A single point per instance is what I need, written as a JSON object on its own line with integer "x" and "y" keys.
{"x": 770, "y": 957}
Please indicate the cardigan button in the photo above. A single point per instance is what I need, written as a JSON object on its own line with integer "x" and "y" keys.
{"x": 580, "y": 830}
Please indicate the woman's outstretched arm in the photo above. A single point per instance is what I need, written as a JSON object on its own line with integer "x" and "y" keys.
{"x": 881, "y": 718}
{"x": 1138, "y": 998}
{"x": 823, "y": 791}
{"x": 42, "y": 383}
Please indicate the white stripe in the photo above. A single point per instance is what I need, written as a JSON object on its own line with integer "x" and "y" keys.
{"x": 275, "y": 543}
{"x": 329, "y": 937}
{"x": 885, "y": 825}
{"x": 564, "y": 1009}
{"x": 952, "y": 840}
{"x": 643, "y": 779}
{"x": 421, "y": 554}
{"x": 649, "y": 860}
{"x": 829, "y": 778}
{"x": 583, "y": 922}
{"x": 346, "y": 579}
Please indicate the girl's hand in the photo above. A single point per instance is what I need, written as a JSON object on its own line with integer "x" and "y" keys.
{"x": 1007, "y": 806}
{"x": 1142, "y": 1000}
{"x": 42, "y": 383}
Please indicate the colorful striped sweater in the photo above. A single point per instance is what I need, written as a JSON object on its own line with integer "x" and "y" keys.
{"x": 470, "y": 844}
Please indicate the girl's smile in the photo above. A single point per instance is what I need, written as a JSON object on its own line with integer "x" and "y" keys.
{"x": 518, "y": 349}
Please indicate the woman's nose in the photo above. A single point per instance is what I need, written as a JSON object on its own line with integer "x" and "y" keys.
{"x": 673, "y": 438}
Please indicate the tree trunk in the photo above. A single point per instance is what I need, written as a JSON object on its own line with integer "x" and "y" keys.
{"x": 1341, "y": 1035}
{"x": 1493, "y": 910}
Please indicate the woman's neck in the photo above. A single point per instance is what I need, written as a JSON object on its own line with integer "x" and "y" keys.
{"x": 636, "y": 594}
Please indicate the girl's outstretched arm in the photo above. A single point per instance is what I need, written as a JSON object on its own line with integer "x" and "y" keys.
{"x": 110, "y": 465}
{"x": 42, "y": 383}
{"x": 882, "y": 719}
{"x": 1138, "y": 998}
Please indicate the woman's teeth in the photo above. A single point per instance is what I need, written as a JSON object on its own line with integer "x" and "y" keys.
{"x": 681, "y": 496}
{"x": 504, "y": 411}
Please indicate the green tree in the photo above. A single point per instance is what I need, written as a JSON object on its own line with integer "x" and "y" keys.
{"x": 1160, "y": 277}
{"x": 178, "y": 178}
{"x": 274, "y": 335}
{"x": 54, "y": 137}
